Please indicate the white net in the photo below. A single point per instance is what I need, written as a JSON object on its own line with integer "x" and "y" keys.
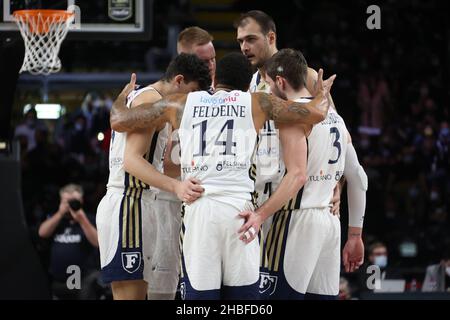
{"x": 43, "y": 33}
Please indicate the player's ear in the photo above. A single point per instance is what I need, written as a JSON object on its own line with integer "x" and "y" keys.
{"x": 178, "y": 80}
{"x": 272, "y": 37}
{"x": 279, "y": 81}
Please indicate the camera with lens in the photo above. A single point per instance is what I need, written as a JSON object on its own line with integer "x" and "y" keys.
{"x": 75, "y": 204}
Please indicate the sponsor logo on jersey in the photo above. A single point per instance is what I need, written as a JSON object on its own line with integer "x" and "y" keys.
{"x": 194, "y": 169}
{"x": 217, "y": 100}
{"x": 267, "y": 283}
{"x": 116, "y": 162}
{"x": 321, "y": 177}
{"x": 131, "y": 261}
{"x": 231, "y": 165}
{"x": 338, "y": 175}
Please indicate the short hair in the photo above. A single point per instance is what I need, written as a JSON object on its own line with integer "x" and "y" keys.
{"x": 376, "y": 245}
{"x": 69, "y": 188}
{"x": 264, "y": 21}
{"x": 234, "y": 70}
{"x": 194, "y": 36}
{"x": 289, "y": 64}
{"x": 192, "y": 68}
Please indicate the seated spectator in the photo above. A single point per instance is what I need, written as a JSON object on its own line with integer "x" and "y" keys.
{"x": 378, "y": 256}
{"x": 437, "y": 277}
{"x": 74, "y": 238}
{"x": 344, "y": 289}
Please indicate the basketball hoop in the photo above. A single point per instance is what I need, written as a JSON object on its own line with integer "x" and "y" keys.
{"x": 43, "y": 31}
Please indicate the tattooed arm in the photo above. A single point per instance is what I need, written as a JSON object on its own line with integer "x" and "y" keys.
{"x": 147, "y": 115}
{"x": 284, "y": 111}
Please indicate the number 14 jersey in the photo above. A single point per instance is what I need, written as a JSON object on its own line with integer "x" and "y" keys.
{"x": 217, "y": 140}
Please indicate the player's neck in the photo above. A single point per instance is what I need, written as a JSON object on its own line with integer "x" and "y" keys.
{"x": 302, "y": 93}
{"x": 272, "y": 52}
{"x": 223, "y": 87}
{"x": 162, "y": 87}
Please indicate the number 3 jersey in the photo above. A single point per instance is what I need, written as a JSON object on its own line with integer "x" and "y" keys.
{"x": 217, "y": 139}
{"x": 327, "y": 145}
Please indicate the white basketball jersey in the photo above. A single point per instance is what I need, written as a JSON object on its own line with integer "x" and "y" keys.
{"x": 217, "y": 140}
{"x": 268, "y": 150}
{"x": 327, "y": 145}
{"x": 118, "y": 177}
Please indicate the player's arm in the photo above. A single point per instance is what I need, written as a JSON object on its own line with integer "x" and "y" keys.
{"x": 311, "y": 85}
{"x": 353, "y": 253}
{"x": 293, "y": 142}
{"x": 136, "y": 165}
{"x": 287, "y": 111}
{"x": 172, "y": 158}
{"x": 147, "y": 115}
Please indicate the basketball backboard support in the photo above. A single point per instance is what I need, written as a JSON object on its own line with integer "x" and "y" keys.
{"x": 100, "y": 19}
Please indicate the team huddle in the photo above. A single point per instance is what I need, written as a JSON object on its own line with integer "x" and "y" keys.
{"x": 224, "y": 182}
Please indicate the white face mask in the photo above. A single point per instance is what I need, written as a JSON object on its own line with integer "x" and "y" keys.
{"x": 447, "y": 271}
{"x": 381, "y": 261}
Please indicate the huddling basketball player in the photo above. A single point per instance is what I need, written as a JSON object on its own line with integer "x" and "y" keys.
{"x": 136, "y": 255}
{"x": 217, "y": 138}
{"x": 303, "y": 244}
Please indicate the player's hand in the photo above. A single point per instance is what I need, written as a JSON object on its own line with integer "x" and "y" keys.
{"x": 119, "y": 104}
{"x": 323, "y": 85}
{"x": 353, "y": 254}
{"x": 251, "y": 226}
{"x": 129, "y": 87}
{"x": 189, "y": 190}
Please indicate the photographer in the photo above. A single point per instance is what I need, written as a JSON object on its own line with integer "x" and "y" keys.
{"x": 73, "y": 239}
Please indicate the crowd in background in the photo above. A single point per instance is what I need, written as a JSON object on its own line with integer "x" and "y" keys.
{"x": 391, "y": 90}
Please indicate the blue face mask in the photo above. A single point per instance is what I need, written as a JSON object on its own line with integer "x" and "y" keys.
{"x": 381, "y": 261}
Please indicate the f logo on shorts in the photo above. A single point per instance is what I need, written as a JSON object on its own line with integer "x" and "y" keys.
{"x": 131, "y": 261}
{"x": 267, "y": 283}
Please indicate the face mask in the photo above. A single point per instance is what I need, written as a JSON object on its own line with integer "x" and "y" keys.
{"x": 447, "y": 271}
{"x": 381, "y": 261}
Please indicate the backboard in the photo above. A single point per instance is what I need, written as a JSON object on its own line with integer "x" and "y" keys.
{"x": 99, "y": 19}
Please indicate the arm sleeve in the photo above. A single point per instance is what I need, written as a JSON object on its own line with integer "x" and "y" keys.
{"x": 356, "y": 188}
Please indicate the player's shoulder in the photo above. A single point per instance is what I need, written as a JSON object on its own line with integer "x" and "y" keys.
{"x": 143, "y": 95}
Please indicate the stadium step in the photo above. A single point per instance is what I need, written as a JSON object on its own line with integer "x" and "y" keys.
{"x": 217, "y": 17}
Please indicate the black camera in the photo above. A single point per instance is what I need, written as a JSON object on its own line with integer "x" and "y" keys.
{"x": 75, "y": 204}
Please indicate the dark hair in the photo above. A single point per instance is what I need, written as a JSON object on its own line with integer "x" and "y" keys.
{"x": 376, "y": 245}
{"x": 264, "y": 21}
{"x": 192, "y": 68}
{"x": 289, "y": 64}
{"x": 235, "y": 71}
